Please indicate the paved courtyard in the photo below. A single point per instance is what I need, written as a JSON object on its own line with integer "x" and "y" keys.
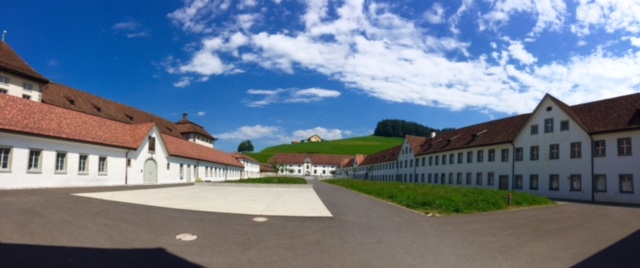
{"x": 52, "y": 227}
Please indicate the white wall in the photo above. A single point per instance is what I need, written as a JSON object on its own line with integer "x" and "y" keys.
{"x": 20, "y": 145}
{"x": 565, "y": 165}
{"x": 612, "y": 165}
{"x": 15, "y": 87}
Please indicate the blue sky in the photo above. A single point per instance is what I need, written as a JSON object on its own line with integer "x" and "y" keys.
{"x": 273, "y": 71}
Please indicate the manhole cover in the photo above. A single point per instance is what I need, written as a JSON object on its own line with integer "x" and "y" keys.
{"x": 186, "y": 237}
{"x": 260, "y": 219}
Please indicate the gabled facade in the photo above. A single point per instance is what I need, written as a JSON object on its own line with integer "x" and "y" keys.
{"x": 322, "y": 165}
{"x": 17, "y": 78}
{"x": 251, "y": 166}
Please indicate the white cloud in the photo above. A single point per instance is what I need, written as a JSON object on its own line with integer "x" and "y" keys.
{"x": 435, "y": 15}
{"x": 549, "y": 14}
{"x": 325, "y": 134}
{"x": 517, "y": 51}
{"x": 184, "y": 82}
{"x": 635, "y": 41}
{"x": 201, "y": 113}
{"x": 251, "y": 132}
{"x": 367, "y": 48}
{"x": 138, "y": 34}
{"x": 127, "y": 25}
{"x": 610, "y": 15}
{"x": 290, "y": 96}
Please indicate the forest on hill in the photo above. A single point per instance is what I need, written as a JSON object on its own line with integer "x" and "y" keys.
{"x": 401, "y": 128}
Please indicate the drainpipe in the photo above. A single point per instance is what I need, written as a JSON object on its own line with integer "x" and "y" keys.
{"x": 513, "y": 165}
{"x": 126, "y": 167}
{"x": 593, "y": 181}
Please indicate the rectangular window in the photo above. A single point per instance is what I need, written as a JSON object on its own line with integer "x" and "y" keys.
{"x": 61, "y": 162}
{"x": 480, "y": 156}
{"x": 3, "y": 91}
{"x": 548, "y": 125}
{"x": 554, "y": 151}
{"x": 429, "y": 177}
{"x": 533, "y": 182}
{"x": 444, "y": 159}
{"x": 102, "y": 165}
{"x": 490, "y": 178}
{"x": 423, "y": 161}
{"x": 519, "y": 154}
{"x": 492, "y": 155}
{"x": 601, "y": 183}
{"x": 452, "y": 159}
{"x": 624, "y": 146}
{"x": 554, "y": 182}
{"x": 576, "y": 150}
{"x": 5, "y": 159}
{"x": 505, "y": 155}
{"x": 437, "y": 160}
{"x": 168, "y": 166}
{"x": 82, "y": 164}
{"x": 430, "y": 160}
{"x": 4, "y": 79}
{"x": 479, "y": 178}
{"x": 564, "y": 125}
{"x": 534, "y": 129}
{"x": 460, "y": 156}
{"x": 599, "y": 148}
{"x": 34, "y": 161}
{"x": 27, "y": 86}
{"x": 576, "y": 182}
{"x": 626, "y": 183}
{"x": 468, "y": 181}
{"x": 469, "y": 157}
{"x": 517, "y": 182}
{"x": 459, "y": 178}
{"x": 181, "y": 171}
{"x": 152, "y": 144}
{"x": 450, "y": 178}
{"x": 26, "y": 97}
{"x": 534, "y": 153}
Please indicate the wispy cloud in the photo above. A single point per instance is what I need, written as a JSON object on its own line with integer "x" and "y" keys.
{"x": 289, "y": 96}
{"x": 131, "y": 29}
{"x": 278, "y": 135}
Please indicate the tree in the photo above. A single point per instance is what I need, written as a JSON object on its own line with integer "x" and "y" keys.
{"x": 245, "y": 146}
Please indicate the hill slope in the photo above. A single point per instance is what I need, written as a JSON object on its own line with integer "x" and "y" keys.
{"x": 352, "y": 146}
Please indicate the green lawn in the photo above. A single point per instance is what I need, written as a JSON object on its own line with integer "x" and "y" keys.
{"x": 276, "y": 180}
{"x": 439, "y": 199}
{"x": 360, "y": 145}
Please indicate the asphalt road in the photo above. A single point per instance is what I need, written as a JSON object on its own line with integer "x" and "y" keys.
{"x": 52, "y": 228}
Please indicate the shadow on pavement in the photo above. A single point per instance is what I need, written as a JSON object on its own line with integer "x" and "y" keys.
{"x": 20, "y": 255}
{"x": 623, "y": 253}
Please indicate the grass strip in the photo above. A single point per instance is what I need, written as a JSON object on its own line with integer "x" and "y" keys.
{"x": 443, "y": 200}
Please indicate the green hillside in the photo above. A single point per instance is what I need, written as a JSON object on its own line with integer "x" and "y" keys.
{"x": 352, "y": 146}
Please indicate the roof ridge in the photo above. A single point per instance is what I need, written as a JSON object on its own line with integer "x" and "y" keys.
{"x": 12, "y": 62}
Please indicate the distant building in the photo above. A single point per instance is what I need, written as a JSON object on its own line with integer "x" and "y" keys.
{"x": 314, "y": 138}
{"x": 308, "y": 164}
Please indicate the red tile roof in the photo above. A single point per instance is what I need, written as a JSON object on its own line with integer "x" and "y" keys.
{"x": 185, "y": 126}
{"x": 316, "y": 159}
{"x": 415, "y": 142}
{"x": 76, "y": 100}
{"x": 242, "y": 156}
{"x": 493, "y": 132}
{"x": 12, "y": 63}
{"x": 267, "y": 168}
{"x": 183, "y": 148}
{"x": 615, "y": 114}
{"x": 383, "y": 156}
{"x": 29, "y": 117}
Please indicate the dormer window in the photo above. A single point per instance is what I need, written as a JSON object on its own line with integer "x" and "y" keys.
{"x": 27, "y": 86}
{"x": 71, "y": 101}
{"x": 169, "y": 129}
{"x": 98, "y": 109}
{"x": 129, "y": 117}
{"x": 152, "y": 144}
{"x": 4, "y": 80}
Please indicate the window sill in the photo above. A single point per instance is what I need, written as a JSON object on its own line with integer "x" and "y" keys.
{"x": 83, "y": 173}
{"x": 5, "y": 170}
{"x": 627, "y": 192}
{"x": 103, "y": 174}
{"x": 34, "y": 172}
{"x": 60, "y": 173}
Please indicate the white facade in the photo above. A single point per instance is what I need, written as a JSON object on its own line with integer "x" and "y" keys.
{"x": 617, "y": 172}
{"x": 251, "y": 168}
{"x": 20, "y": 87}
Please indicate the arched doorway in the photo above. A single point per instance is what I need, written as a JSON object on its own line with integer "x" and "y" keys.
{"x": 150, "y": 172}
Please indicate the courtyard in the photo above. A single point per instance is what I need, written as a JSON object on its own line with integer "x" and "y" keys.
{"x": 54, "y": 227}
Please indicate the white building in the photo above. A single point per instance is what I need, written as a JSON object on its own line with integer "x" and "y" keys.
{"x": 322, "y": 165}
{"x": 586, "y": 152}
{"x": 251, "y": 166}
{"x": 74, "y": 138}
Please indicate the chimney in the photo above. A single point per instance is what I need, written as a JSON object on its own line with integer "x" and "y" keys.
{"x": 184, "y": 116}
{"x": 433, "y": 134}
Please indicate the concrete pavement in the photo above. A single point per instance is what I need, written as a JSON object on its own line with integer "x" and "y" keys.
{"x": 234, "y": 198}
{"x": 44, "y": 228}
